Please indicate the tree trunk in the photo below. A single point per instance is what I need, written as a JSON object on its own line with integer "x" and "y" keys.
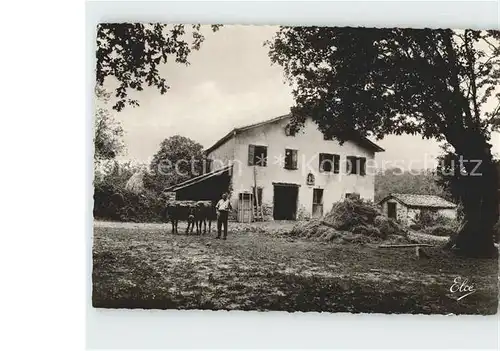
{"x": 479, "y": 197}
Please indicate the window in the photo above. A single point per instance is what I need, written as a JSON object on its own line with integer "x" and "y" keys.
{"x": 257, "y": 155}
{"x": 317, "y": 196}
{"x": 317, "y": 207}
{"x": 290, "y": 159}
{"x": 289, "y": 131}
{"x": 329, "y": 163}
{"x": 208, "y": 165}
{"x": 356, "y": 165}
{"x": 352, "y": 196}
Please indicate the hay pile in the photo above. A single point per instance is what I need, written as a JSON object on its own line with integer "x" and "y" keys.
{"x": 352, "y": 221}
{"x": 135, "y": 183}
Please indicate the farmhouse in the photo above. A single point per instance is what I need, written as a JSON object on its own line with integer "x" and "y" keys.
{"x": 406, "y": 208}
{"x": 273, "y": 173}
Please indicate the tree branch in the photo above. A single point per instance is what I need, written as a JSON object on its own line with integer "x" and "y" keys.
{"x": 493, "y": 47}
{"x": 472, "y": 73}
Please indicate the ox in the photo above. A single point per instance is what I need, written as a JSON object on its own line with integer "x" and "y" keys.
{"x": 204, "y": 212}
{"x": 194, "y": 212}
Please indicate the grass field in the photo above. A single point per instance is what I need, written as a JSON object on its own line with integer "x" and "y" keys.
{"x": 144, "y": 266}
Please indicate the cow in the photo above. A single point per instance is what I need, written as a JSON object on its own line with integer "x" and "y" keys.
{"x": 194, "y": 212}
{"x": 191, "y": 220}
{"x": 178, "y": 210}
{"x": 205, "y": 211}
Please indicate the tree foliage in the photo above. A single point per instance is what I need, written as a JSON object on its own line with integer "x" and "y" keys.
{"x": 108, "y": 132}
{"x": 423, "y": 182}
{"x": 391, "y": 81}
{"x": 450, "y": 174}
{"x": 133, "y": 52}
{"x": 438, "y": 83}
{"x": 114, "y": 200}
{"x": 178, "y": 159}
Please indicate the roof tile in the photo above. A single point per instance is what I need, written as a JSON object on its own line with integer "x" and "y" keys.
{"x": 414, "y": 200}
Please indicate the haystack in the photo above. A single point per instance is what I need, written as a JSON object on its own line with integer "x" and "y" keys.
{"x": 352, "y": 221}
{"x": 135, "y": 183}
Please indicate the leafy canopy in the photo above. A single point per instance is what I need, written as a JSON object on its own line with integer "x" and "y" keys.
{"x": 133, "y": 52}
{"x": 108, "y": 132}
{"x": 438, "y": 83}
{"x": 178, "y": 159}
{"x": 413, "y": 181}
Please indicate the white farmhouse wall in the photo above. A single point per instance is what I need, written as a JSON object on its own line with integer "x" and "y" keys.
{"x": 309, "y": 142}
{"x": 222, "y": 155}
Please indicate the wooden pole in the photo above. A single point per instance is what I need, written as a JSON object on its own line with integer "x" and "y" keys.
{"x": 258, "y": 209}
{"x": 261, "y": 211}
{"x": 255, "y": 192}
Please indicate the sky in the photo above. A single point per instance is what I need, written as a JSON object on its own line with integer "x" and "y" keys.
{"x": 230, "y": 83}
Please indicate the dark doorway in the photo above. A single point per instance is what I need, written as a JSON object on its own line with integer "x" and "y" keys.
{"x": 285, "y": 202}
{"x": 391, "y": 210}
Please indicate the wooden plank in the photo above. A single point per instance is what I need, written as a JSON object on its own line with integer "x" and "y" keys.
{"x": 404, "y": 245}
{"x": 261, "y": 211}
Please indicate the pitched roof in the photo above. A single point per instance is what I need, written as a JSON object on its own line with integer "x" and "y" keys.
{"x": 363, "y": 141}
{"x": 413, "y": 200}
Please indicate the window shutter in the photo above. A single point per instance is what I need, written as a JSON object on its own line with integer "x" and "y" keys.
{"x": 336, "y": 163}
{"x": 355, "y": 165}
{"x": 294, "y": 159}
{"x": 349, "y": 165}
{"x": 362, "y": 166}
{"x": 251, "y": 154}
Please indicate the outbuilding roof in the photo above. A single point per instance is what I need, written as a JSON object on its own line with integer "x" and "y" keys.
{"x": 426, "y": 201}
{"x": 199, "y": 178}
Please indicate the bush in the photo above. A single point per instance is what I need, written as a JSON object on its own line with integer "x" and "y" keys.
{"x": 114, "y": 203}
{"x": 442, "y": 231}
{"x": 416, "y": 226}
{"x": 120, "y": 194}
{"x": 430, "y": 219}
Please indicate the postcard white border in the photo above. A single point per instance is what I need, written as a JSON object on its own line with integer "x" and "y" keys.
{"x": 141, "y": 329}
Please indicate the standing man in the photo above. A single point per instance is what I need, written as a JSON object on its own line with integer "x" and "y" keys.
{"x": 223, "y": 207}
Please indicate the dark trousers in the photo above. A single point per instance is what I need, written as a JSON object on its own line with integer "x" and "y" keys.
{"x": 222, "y": 221}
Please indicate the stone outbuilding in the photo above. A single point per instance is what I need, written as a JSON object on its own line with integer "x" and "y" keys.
{"x": 406, "y": 208}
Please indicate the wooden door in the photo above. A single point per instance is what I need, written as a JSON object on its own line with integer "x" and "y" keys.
{"x": 245, "y": 207}
{"x": 391, "y": 210}
{"x": 317, "y": 210}
{"x": 285, "y": 202}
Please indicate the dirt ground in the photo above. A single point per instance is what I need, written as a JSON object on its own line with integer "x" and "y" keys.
{"x": 257, "y": 268}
